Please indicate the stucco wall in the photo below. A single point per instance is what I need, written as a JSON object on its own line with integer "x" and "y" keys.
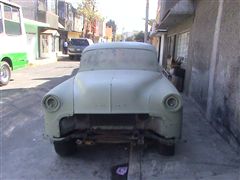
{"x": 32, "y": 30}
{"x": 201, "y": 48}
{"x": 226, "y": 95}
{"x": 215, "y": 56}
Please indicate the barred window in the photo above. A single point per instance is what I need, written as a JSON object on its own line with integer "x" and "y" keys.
{"x": 182, "y": 45}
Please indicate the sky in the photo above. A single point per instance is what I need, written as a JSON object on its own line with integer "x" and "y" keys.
{"x": 127, "y": 14}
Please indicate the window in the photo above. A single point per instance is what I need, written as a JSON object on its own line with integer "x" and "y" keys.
{"x": 12, "y": 20}
{"x": 171, "y": 45}
{"x": 182, "y": 45}
{"x": 42, "y": 5}
{"x": 1, "y": 19}
{"x": 45, "y": 45}
{"x": 7, "y": 12}
{"x": 51, "y": 6}
{"x": 15, "y": 15}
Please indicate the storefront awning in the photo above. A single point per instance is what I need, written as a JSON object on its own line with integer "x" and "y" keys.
{"x": 35, "y": 23}
{"x": 182, "y": 10}
{"x": 52, "y": 32}
{"x": 157, "y": 32}
{"x": 60, "y": 26}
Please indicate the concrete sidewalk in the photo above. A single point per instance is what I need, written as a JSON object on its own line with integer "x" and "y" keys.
{"x": 200, "y": 154}
{"x": 44, "y": 61}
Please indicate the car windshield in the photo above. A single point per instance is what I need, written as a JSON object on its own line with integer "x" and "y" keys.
{"x": 79, "y": 42}
{"x": 107, "y": 59}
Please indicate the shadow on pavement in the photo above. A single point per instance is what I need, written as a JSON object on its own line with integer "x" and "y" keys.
{"x": 66, "y": 58}
{"x": 45, "y": 87}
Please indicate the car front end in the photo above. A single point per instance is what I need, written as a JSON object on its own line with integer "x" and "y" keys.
{"x": 75, "y": 50}
{"x": 113, "y": 105}
{"x": 145, "y": 111}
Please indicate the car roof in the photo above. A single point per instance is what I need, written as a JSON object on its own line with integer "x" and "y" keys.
{"x": 121, "y": 45}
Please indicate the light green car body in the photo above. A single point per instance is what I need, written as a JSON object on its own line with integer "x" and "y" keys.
{"x": 117, "y": 91}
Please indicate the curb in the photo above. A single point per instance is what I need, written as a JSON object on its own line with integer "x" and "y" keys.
{"x": 42, "y": 62}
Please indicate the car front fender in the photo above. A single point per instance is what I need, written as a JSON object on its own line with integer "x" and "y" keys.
{"x": 64, "y": 92}
{"x": 168, "y": 123}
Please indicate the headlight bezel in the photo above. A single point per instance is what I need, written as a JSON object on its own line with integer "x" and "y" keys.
{"x": 51, "y": 99}
{"x": 170, "y": 99}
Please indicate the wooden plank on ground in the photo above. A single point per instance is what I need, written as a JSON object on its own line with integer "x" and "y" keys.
{"x": 134, "y": 168}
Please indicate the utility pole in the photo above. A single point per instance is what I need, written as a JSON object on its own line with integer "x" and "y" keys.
{"x": 146, "y": 22}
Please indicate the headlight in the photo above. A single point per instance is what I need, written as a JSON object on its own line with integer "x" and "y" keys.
{"x": 51, "y": 103}
{"x": 172, "y": 103}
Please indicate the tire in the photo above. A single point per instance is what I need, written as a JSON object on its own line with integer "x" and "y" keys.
{"x": 71, "y": 57}
{"x": 65, "y": 148}
{"x": 166, "y": 150}
{"x": 5, "y": 73}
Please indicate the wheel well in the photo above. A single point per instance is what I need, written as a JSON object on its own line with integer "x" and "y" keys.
{"x": 8, "y": 60}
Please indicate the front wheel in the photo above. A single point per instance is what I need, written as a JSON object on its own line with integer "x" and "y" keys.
{"x": 65, "y": 148}
{"x": 5, "y": 73}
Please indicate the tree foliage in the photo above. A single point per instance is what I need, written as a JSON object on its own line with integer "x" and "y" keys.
{"x": 150, "y": 21}
{"x": 118, "y": 37}
{"x": 131, "y": 38}
{"x": 88, "y": 9}
{"x": 139, "y": 36}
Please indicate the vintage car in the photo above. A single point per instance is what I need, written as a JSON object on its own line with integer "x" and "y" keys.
{"x": 118, "y": 95}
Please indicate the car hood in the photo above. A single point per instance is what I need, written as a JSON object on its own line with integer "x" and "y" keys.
{"x": 109, "y": 91}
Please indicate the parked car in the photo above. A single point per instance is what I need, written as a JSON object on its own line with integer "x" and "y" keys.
{"x": 118, "y": 95}
{"x": 76, "y": 46}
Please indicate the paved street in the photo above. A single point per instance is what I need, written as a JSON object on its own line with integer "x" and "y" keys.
{"x": 26, "y": 154}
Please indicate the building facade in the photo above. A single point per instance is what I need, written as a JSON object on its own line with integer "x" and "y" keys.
{"x": 70, "y": 21}
{"x": 41, "y": 23}
{"x": 48, "y": 23}
{"x": 108, "y": 34}
{"x": 206, "y": 33}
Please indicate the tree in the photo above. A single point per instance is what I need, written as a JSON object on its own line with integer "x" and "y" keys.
{"x": 88, "y": 9}
{"x": 139, "y": 36}
{"x": 131, "y": 38}
{"x": 150, "y": 21}
{"x": 119, "y": 37}
{"x": 111, "y": 23}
